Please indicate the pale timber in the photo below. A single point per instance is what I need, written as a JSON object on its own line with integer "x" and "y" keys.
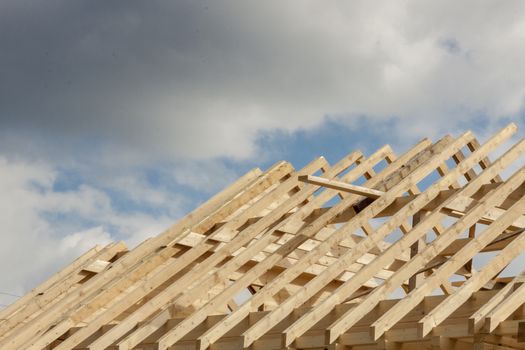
{"x": 343, "y": 256}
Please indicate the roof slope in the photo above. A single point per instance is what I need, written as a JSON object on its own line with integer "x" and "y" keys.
{"x": 370, "y": 252}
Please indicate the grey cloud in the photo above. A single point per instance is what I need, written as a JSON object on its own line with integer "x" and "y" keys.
{"x": 201, "y": 79}
{"x": 150, "y": 74}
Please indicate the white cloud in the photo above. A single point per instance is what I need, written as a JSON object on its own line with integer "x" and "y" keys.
{"x": 84, "y": 240}
{"x": 85, "y": 201}
{"x": 204, "y": 176}
{"x": 44, "y": 229}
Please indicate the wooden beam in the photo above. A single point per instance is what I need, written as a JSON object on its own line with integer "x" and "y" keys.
{"x": 346, "y": 321}
{"x": 436, "y": 316}
{"x": 287, "y": 275}
{"x": 150, "y": 284}
{"x": 218, "y": 330}
{"x": 323, "y": 262}
{"x": 173, "y": 290}
{"x": 341, "y": 186}
{"x": 389, "y": 319}
{"x": 505, "y": 308}
{"x": 57, "y": 278}
{"x": 477, "y": 320}
{"x": 217, "y": 206}
{"x": 313, "y": 286}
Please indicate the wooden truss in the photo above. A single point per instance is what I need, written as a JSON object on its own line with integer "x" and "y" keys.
{"x": 367, "y": 253}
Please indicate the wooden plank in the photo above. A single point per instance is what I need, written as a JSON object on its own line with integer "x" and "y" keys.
{"x": 44, "y": 286}
{"x": 348, "y": 288}
{"x": 145, "y": 330}
{"x": 415, "y": 263}
{"x": 252, "y": 334}
{"x": 521, "y": 332}
{"x": 485, "y": 163}
{"x": 284, "y": 278}
{"x": 416, "y": 247}
{"x": 497, "y": 245}
{"x": 395, "y": 314}
{"x": 477, "y": 281}
{"x": 341, "y": 186}
{"x": 405, "y": 333}
{"x": 97, "y": 266}
{"x": 284, "y": 208}
{"x": 215, "y": 332}
{"x": 164, "y": 274}
{"x": 53, "y": 296}
{"x": 477, "y": 320}
{"x": 455, "y": 209}
{"x": 194, "y": 277}
{"x": 218, "y": 203}
{"x": 240, "y": 183}
{"x": 316, "y": 266}
{"x": 505, "y": 308}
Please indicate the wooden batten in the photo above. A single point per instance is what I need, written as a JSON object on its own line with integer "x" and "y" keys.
{"x": 370, "y": 252}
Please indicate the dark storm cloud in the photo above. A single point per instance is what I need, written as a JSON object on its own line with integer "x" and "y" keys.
{"x": 128, "y": 70}
{"x": 66, "y": 63}
{"x": 202, "y": 79}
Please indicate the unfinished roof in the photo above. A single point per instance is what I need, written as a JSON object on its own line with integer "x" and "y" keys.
{"x": 370, "y": 252}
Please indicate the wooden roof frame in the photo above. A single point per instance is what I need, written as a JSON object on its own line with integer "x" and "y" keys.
{"x": 310, "y": 259}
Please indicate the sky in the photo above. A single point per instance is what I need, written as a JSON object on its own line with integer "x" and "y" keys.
{"x": 118, "y": 117}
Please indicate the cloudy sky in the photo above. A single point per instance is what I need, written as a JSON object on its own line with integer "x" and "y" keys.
{"x": 117, "y": 117}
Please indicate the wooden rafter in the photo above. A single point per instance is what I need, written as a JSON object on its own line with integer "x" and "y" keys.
{"x": 329, "y": 256}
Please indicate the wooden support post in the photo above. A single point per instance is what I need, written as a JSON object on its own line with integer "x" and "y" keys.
{"x": 417, "y": 247}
